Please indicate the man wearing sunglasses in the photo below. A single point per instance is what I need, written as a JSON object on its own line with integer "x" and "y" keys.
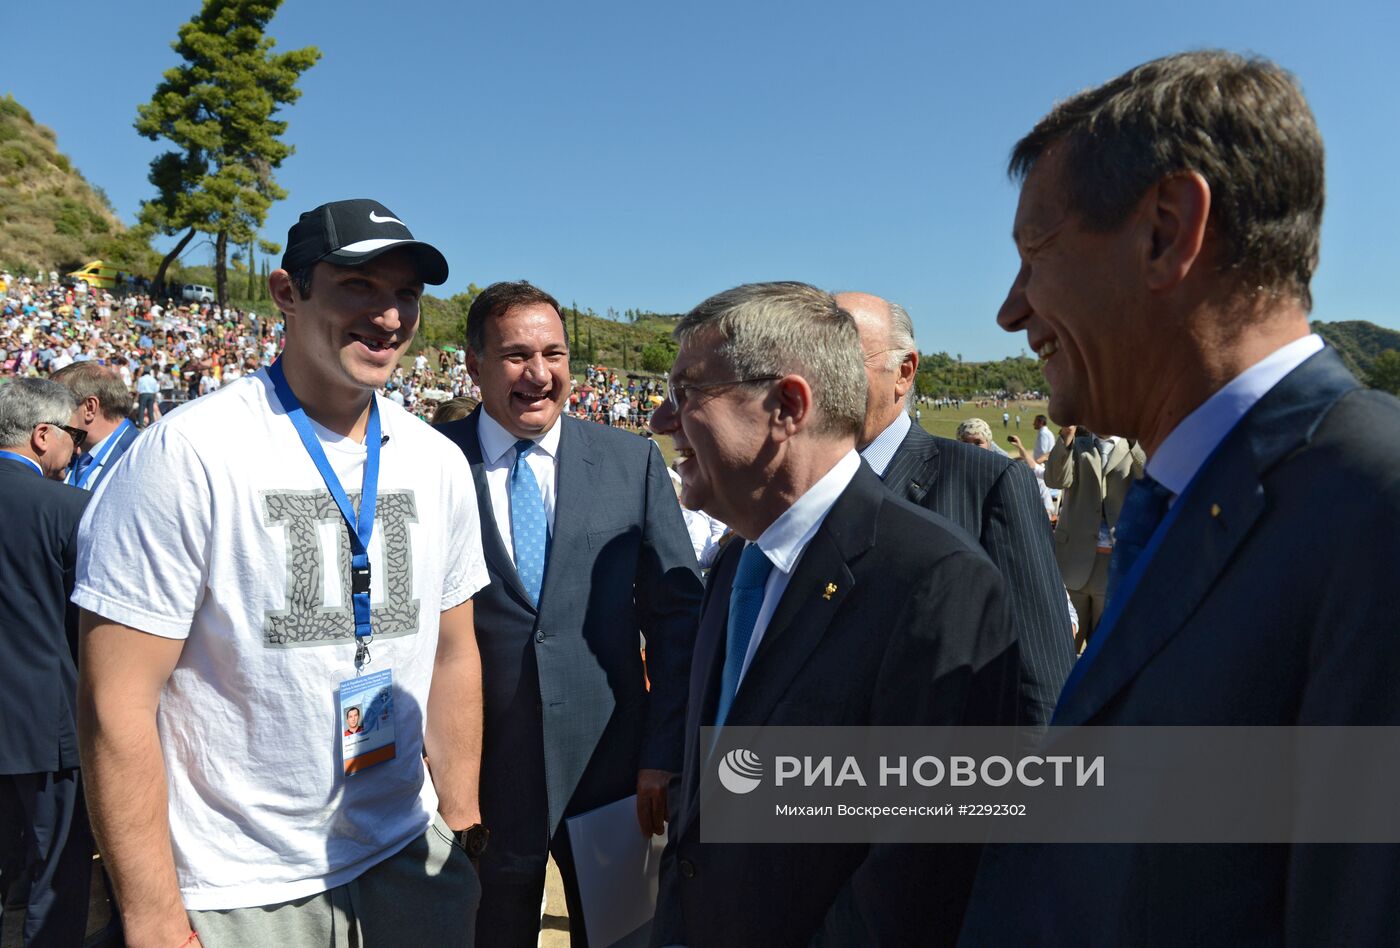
{"x": 39, "y": 779}
{"x": 103, "y": 406}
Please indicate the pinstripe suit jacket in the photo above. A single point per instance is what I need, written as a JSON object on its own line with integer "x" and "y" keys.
{"x": 997, "y": 501}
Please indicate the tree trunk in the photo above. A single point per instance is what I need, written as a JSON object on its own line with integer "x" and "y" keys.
{"x": 158, "y": 290}
{"x": 252, "y": 274}
{"x": 221, "y": 269}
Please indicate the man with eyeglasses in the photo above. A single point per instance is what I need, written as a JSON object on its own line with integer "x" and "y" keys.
{"x": 43, "y": 821}
{"x": 846, "y": 606}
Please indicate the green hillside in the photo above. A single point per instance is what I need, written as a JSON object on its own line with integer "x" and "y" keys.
{"x": 637, "y": 345}
{"x": 1358, "y": 342}
{"x": 54, "y": 218}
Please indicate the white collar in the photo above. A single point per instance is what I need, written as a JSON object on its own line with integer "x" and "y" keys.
{"x": 880, "y": 452}
{"x": 786, "y": 538}
{"x": 1191, "y": 442}
{"x": 496, "y": 441}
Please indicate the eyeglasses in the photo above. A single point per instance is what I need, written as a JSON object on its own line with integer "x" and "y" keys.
{"x": 872, "y": 356}
{"x": 677, "y": 392}
{"x": 77, "y": 434}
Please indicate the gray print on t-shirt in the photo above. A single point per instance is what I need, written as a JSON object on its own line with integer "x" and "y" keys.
{"x": 307, "y": 620}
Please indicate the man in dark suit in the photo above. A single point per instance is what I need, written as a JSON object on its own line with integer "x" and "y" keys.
{"x": 986, "y": 493}
{"x": 41, "y": 798}
{"x": 847, "y": 606}
{"x": 586, "y": 548}
{"x": 1250, "y": 583}
{"x": 104, "y": 413}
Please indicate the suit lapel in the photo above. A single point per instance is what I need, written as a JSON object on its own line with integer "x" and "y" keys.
{"x": 819, "y": 584}
{"x": 1218, "y": 511}
{"x": 1168, "y": 594}
{"x": 574, "y": 465}
{"x": 493, "y": 546}
{"x": 914, "y": 466}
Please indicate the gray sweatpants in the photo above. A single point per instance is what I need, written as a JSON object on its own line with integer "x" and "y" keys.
{"x": 425, "y": 895}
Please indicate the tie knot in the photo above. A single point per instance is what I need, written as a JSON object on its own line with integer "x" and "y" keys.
{"x": 754, "y": 568}
{"x": 84, "y": 460}
{"x": 523, "y": 446}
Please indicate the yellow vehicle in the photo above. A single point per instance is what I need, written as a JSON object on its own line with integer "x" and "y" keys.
{"x": 96, "y": 274}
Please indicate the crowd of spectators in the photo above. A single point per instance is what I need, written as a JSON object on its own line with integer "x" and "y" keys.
{"x": 187, "y": 349}
{"x": 192, "y": 349}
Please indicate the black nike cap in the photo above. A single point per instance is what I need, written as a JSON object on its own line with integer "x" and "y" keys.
{"x": 352, "y": 233}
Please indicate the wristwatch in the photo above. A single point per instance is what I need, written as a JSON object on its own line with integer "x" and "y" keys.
{"x": 473, "y": 839}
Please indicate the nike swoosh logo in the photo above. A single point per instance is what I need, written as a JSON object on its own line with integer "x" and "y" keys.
{"x": 385, "y": 220}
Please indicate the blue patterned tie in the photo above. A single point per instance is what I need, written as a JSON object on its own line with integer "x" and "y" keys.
{"x": 529, "y": 533}
{"x": 79, "y": 466}
{"x": 745, "y": 601}
{"x": 1143, "y": 509}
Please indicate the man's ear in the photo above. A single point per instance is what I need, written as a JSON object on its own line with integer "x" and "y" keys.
{"x": 794, "y": 408}
{"x": 908, "y": 368}
{"x": 284, "y": 294}
{"x": 1178, "y": 211}
{"x": 473, "y": 366}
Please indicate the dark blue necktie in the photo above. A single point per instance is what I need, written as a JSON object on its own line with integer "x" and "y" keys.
{"x": 79, "y": 466}
{"x": 745, "y": 601}
{"x": 529, "y": 533}
{"x": 1143, "y": 509}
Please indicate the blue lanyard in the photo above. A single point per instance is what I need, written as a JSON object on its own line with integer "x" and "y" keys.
{"x": 361, "y": 527}
{"x": 29, "y": 463}
{"x": 97, "y": 459}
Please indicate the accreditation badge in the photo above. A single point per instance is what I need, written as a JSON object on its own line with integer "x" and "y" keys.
{"x": 366, "y": 720}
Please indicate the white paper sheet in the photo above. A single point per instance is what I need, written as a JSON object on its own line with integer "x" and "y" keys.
{"x": 617, "y": 871}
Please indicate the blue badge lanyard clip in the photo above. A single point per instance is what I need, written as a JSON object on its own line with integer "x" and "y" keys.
{"x": 359, "y": 527}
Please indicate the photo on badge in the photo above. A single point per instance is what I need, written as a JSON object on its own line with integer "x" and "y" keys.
{"x": 366, "y": 720}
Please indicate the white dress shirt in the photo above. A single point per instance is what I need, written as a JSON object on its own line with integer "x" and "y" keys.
{"x": 1190, "y": 443}
{"x": 880, "y": 452}
{"x": 498, "y": 453}
{"x": 786, "y": 539}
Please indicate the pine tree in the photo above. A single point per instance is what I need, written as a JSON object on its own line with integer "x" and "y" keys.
{"x": 217, "y": 108}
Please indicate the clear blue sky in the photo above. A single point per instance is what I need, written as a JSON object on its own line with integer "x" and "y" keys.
{"x": 650, "y": 154}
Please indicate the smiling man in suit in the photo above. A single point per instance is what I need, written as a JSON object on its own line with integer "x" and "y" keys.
{"x": 846, "y": 606}
{"x": 585, "y": 547}
{"x": 1173, "y": 214}
{"x": 990, "y": 496}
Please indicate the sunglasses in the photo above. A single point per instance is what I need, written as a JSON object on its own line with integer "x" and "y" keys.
{"x": 77, "y": 434}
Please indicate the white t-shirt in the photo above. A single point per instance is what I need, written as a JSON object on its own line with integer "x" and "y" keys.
{"x": 216, "y": 528}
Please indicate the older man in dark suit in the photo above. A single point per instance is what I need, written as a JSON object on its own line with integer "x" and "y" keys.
{"x": 846, "y": 606}
{"x": 1173, "y": 214}
{"x": 586, "y": 548}
{"x": 40, "y": 788}
{"x": 992, "y": 497}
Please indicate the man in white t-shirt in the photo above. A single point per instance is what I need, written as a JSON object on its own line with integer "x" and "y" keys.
{"x": 230, "y": 806}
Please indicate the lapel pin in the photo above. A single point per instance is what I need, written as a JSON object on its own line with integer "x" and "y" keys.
{"x": 1215, "y": 510}
{"x": 830, "y": 589}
